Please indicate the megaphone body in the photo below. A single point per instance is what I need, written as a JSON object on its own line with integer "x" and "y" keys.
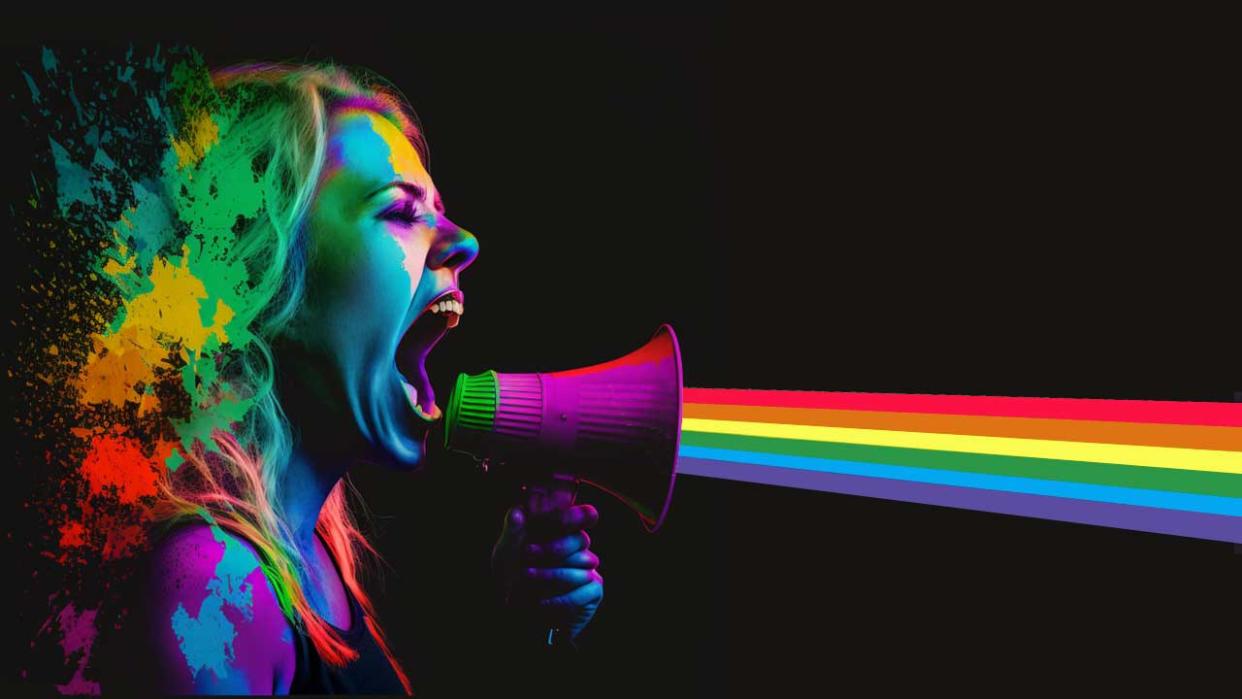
{"x": 615, "y": 426}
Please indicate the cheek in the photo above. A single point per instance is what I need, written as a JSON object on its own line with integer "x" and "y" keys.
{"x": 388, "y": 270}
{"x": 360, "y": 288}
{"x": 369, "y": 270}
{"x": 413, "y": 257}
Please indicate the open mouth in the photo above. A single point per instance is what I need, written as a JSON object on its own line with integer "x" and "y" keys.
{"x": 436, "y": 319}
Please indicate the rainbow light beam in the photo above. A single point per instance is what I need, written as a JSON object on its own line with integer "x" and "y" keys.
{"x": 1157, "y": 466}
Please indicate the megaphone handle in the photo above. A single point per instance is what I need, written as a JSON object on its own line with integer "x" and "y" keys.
{"x": 555, "y": 493}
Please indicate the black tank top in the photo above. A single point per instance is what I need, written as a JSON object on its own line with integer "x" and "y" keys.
{"x": 370, "y": 673}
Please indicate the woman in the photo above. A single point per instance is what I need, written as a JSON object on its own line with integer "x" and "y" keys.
{"x": 254, "y": 588}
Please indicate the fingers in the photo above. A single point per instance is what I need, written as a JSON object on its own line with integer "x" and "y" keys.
{"x": 581, "y": 559}
{"x": 548, "y": 582}
{"x": 564, "y": 521}
{"x": 591, "y": 593}
{"x": 555, "y": 550}
{"x": 514, "y": 522}
{"x": 579, "y": 517}
{"x": 512, "y": 535}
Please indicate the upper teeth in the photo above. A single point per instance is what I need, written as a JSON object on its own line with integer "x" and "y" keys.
{"x": 447, "y": 305}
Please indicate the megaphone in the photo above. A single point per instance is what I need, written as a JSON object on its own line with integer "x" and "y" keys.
{"x": 615, "y": 426}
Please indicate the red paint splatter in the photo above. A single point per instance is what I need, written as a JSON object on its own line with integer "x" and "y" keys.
{"x": 123, "y": 540}
{"x": 71, "y": 534}
{"x": 117, "y": 461}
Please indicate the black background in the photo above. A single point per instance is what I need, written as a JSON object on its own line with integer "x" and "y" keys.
{"x": 1027, "y": 205}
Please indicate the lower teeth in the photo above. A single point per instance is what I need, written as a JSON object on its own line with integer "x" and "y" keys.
{"x": 411, "y": 394}
{"x": 435, "y": 416}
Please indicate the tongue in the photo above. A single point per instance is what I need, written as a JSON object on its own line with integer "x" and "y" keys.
{"x": 427, "y": 399}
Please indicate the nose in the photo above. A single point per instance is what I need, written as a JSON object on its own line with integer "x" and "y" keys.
{"x": 454, "y": 247}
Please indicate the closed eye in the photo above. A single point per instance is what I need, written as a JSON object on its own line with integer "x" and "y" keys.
{"x": 407, "y": 212}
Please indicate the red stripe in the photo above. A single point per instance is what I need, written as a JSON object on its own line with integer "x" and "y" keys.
{"x": 1169, "y": 412}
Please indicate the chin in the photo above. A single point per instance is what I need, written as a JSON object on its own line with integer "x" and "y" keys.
{"x": 409, "y": 459}
{"x": 395, "y": 453}
{"x": 405, "y": 447}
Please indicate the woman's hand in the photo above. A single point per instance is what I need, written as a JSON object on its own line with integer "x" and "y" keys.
{"x": 547, "y": 573}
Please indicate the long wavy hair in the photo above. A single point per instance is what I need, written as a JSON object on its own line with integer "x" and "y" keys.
{"x": 277, "y": 131}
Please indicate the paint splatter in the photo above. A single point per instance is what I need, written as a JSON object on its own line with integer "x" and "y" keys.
{"x": 206, "y": 637}
{"x": 117, "y": 463}
{"x": 78, "y": 637}
{"x": 130, "y": 307}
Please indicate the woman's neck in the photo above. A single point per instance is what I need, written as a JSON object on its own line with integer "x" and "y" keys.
{"x": 304, "y": 488}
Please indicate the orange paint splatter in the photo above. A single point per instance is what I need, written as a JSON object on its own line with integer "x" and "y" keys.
{"x": 168, "y": 314}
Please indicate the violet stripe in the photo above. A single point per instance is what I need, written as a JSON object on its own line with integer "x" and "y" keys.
{"x": 1149, "y": 519}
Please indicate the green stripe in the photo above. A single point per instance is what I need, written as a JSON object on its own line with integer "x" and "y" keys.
{"x": 1170, "y": 479}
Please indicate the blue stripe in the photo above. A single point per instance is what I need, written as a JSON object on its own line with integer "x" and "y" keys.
{"x": 1188, "y": 502}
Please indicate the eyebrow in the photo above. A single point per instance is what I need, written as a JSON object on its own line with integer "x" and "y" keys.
{"x": 413, "y": 190}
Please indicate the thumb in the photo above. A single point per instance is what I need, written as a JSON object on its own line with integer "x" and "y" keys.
{"x": 512, "y": 534}
{"x": 506, "y": 552}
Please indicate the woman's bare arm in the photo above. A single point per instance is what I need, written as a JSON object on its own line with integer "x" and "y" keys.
{"x": 214, "y": 623}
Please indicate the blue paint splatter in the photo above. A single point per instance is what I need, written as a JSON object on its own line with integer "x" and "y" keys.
{"x": 125, "y": 75}
{"x": 34, "y": 91}
{"x": 231, "y": 573}
{"x": 74, "y": 181}
{"x": 77, "y": 106}
{"x": 206, "y": 639}
{"x": 49, "y": 60}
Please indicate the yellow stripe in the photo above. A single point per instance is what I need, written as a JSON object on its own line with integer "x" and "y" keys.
{"x": 1161, "y": 457}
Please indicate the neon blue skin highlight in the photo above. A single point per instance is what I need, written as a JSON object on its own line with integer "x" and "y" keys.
{"x": 375, "y": 271}
{"x": 206, "y": 639}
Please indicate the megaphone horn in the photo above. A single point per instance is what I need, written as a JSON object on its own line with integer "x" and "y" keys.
{"x": 615, "y": 426}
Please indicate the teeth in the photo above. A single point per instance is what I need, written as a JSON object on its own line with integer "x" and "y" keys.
{"x": 411, "y": 393}
{"x": 447, "y": 306}
{"x": 436, "y": 413}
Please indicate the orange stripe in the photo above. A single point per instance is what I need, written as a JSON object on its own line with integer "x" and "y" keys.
{"x": 1146, "y": 434}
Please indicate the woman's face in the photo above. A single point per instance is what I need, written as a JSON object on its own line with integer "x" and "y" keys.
{"x": 382, "y": 289}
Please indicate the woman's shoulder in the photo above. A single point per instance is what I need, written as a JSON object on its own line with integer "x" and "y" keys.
{"x": 215, "y": 622}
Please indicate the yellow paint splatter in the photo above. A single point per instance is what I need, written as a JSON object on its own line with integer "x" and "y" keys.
{"x": 198, "y": 137}
{"x": 115, "y": 269}
{"x": 166, "y": 315}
